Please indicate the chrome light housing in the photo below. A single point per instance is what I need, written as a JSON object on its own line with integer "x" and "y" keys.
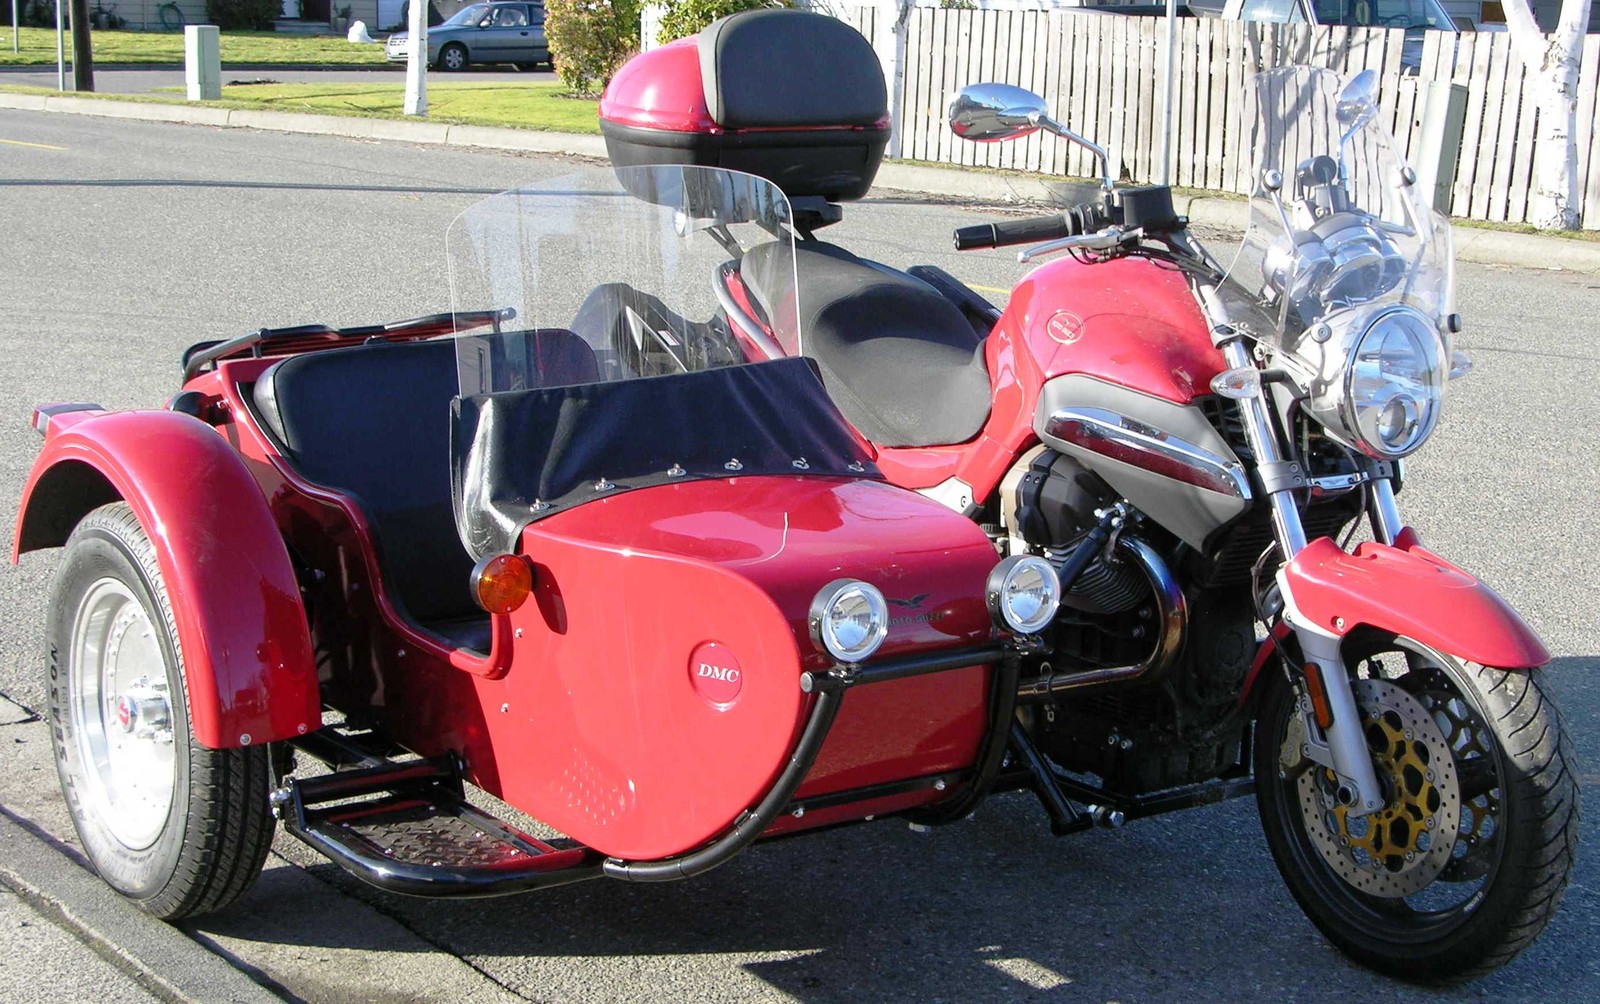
{"x": 849, "y": 620}
{"x": 1023, "y": 594}
{"x": 1381, "y": 376}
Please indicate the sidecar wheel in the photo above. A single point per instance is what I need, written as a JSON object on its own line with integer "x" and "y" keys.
{"x": 1465, "y": 865}
{"x": 178, "y": 828}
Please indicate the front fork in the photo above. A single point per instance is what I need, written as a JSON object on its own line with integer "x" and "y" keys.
{"x": 1341, "y": 746}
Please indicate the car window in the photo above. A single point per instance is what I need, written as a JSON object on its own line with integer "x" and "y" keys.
{"x": 466, "y": 15}
{"x": 509, "y": 17}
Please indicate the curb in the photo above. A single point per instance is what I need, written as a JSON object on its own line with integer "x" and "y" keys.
{"x": 161, "y": 958}
{"x": 1485, "y": 247}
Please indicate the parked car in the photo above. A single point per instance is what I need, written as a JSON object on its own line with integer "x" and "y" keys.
{"x": 481, "y": 33}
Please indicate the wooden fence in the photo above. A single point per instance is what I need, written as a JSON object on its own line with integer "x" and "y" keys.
{"x": 1102, "y": 76}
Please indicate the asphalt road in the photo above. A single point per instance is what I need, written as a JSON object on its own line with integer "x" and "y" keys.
{"x": 123, "y": 242}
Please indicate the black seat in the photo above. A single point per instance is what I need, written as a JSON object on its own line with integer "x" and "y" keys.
{"x": 373, "y": 422}
{"x": 899, "y": 359}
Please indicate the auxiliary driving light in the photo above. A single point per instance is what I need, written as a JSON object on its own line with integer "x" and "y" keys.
{"x": 849, "y": 620}
{"x": 1023, "y": 593}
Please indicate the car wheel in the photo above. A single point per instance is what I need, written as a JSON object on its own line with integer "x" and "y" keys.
{"x": 453, "y": 57}
{"x": 176, "y": 827}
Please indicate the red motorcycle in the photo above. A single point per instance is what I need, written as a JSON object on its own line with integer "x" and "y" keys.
{"x": 1184, "y": 437}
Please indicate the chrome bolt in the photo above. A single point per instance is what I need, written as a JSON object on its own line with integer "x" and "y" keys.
{"x": 505, "y": 708}
{"x": 603, "y": 485}
{"x": 675, "y": 471}
{"x": 799, "y": 811}
{"x": 855, "y": 467}
{"x": 244, "y": 740}
{"x": 400, "y": 653}
{"x": 1338, "y": 622}
{"x": 800, "y": 465}
{"x": 939, "y": 785}
{"x": 733, "y": 465}
{"x": 517, "y": 633}
{"x": 540, "y": 505}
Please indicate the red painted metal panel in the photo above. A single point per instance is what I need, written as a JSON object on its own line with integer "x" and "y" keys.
{"x": 241, "y": 627}
{"x": 1412, "y": 593}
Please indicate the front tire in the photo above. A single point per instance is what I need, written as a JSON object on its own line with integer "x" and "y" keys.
{"x": 453, "y": 58}
{"x": 176, "y": 827}
{"x": 1467, "y": 862}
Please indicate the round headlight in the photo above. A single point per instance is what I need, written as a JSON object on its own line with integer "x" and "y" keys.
{"x": 1023, "y": 594}
{"x": 849, "y": 620}
{"x": 1395, "y": 378}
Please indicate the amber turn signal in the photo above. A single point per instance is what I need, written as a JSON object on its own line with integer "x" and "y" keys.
{"x": 1321, "y": 711}
{"x": 502, "y": 582}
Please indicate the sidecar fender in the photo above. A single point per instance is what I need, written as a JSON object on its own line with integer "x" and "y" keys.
{"x": 1406, "y": 590}
{"x": 241, "y": 627}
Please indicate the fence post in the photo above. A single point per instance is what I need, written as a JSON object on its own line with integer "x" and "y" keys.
{"x": 202, "y": 61}
{"x": 1444, "y": 118}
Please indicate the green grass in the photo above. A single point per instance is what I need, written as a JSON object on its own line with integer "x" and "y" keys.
{"x": 238, "y": 48}
{"x": 522, "y": 106}
{"x": 539, "y": 106}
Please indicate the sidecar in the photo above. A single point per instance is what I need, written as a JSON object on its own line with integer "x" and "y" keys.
{"x": 562, "y": 543}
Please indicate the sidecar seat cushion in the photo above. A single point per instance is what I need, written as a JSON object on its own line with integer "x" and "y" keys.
{"x": 899, "y": 359}
{"x": 373, "y": 422}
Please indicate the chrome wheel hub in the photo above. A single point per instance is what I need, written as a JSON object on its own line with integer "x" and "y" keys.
{"x": 1400, "y": 849}
{"x": 121, "y": 714}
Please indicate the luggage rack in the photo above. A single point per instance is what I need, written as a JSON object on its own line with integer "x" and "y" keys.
{"x": 307, "y": 337}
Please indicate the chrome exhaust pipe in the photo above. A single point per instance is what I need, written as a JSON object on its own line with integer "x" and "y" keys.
{"x": 1172, "y": 620}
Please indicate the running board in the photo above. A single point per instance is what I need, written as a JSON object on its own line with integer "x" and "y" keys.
{"x": 407, "y": 828}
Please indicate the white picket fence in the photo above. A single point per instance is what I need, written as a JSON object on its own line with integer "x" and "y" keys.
{"x": 1102, "y": 75}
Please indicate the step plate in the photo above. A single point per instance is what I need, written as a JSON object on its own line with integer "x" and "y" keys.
{"x": 423, "y": 833}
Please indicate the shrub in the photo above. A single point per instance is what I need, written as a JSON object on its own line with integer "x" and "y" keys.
{"x": 248, "y": 14}
{"x": 685, "y": 17}
{"x": 590, "y": 39}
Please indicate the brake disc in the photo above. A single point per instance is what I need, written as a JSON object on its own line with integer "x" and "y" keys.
{"x": 1404, "y": 846}
{"x": 1469, "y": 740}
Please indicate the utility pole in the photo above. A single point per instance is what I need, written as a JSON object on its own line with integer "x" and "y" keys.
{"x": 416, "y": 61}
{"x": 82, "y": 58}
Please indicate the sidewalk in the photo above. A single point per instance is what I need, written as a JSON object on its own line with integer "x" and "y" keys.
{"x": 65, "y": 936}
{"x": 1490, "y": 247}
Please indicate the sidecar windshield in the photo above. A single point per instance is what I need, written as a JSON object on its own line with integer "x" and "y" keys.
{"x": 1335, "y": 223}
{"x": 626, "y": 262}
{"x": 611, "y": 365}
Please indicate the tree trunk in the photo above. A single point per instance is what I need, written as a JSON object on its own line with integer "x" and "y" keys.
{"x": 1552, "y": 67}
{"x": 82, "y": 58}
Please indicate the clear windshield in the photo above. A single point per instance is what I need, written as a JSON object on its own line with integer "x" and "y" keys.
{"x": 466, "y": 15}
{"x": 1334, "y": 224}
{"x": 632, "y": 263}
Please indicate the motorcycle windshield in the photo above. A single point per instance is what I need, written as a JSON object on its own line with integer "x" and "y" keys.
{"x": 611, "y": 365}
{"x": 1335, "y": 226}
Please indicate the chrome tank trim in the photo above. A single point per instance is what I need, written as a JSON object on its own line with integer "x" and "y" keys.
{"x": 1118, "y": 437}
{"x": 1172, "y": 622}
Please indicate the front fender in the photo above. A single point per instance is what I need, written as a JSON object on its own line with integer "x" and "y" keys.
{"x": 242, "y": 630}
{"x": 1408, "y": 591}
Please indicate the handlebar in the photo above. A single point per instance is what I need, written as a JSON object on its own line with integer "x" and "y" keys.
{"x": 1083, "y": 219}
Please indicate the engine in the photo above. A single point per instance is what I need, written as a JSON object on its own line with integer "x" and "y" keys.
{"x": 1051, "y": 501}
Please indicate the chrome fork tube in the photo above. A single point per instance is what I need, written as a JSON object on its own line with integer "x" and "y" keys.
{"x": 1263, "y": 440}
{"x": 1343, "y": 748}
{"x": 1386, "y": 522}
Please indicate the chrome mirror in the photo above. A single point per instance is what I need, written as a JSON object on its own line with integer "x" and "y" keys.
{"x": 1358, "y": 102}
{"x": 989, "y": 113}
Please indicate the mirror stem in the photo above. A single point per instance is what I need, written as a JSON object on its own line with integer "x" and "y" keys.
{"x": 1050, "y": 125}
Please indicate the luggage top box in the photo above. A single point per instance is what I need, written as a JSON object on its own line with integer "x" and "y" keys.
{"x": 794, "y": 97}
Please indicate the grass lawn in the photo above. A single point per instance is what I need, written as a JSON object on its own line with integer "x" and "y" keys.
{"x": 522, "y": 106}
{"x": 238, "y": 47}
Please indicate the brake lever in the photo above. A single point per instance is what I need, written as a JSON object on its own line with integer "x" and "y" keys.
{"x": 1103, "y": 240}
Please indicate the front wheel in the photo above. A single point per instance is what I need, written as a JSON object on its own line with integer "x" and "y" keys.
{"x": 178, "y": 828}
{"x": 1465, "y": 864}
{"x": 453, "y": 57}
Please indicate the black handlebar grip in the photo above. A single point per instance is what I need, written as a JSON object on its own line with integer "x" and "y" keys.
{"x": 1077, "y": 220}
{"x": 1028, "y": 231}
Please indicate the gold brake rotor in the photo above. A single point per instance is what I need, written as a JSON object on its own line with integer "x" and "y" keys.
{"x": 1401, "y": 848}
